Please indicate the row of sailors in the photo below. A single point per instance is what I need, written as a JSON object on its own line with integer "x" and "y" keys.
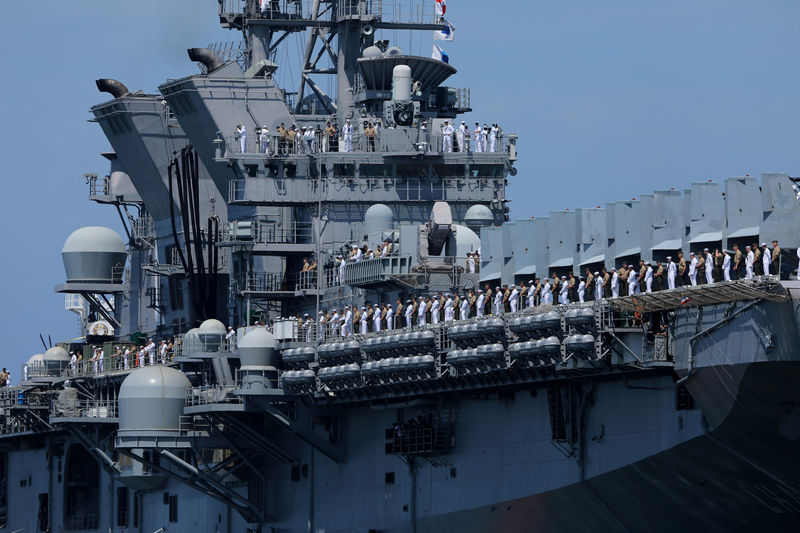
{"x": 292, "y": 140}
{"x": 708, "y": 268}
{"x": 123, "y": 357}
{"x": 481, "y": 139}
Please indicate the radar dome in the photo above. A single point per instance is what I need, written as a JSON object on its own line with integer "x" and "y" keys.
{"x": 94, "y": 254}
{"x": 377, "y": 219}
{"x": 478, "y": 216}
{"x": 55, "y": 361}
{"x": 152, "y": 398}
{"x": 466, "y": 240}
{"x": 191, "y": 341}
{"x": 257, "y": 349}
{"x": 211, "y": 333}
{"x": 371, "y": 51}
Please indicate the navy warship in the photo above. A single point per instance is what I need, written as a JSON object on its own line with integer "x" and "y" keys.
{"x": 321, "y": 318}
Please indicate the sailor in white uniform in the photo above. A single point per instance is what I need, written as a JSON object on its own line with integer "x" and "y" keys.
{"x": 389, "y": 317}
{"x": 531, "y": 294}
{"x": 726, "y": 266}
{"x": 633, "y": 283}
{"x": 498, "y": 302}
{"x": 581, "y": 290}
{"x": 477, "y": 134}
{"x": 463, "y": 310}
{"x": 162, "y": 352}
{"x": 263, "y": 138}
{"x": 648, "y": 277}
{"x": 376, "y": 318}
{"x": 470, "y": 263}
{"x": 462, "y": 133}
{"x": 485, "y": 138}
{"x": 547, "y": 292}
{"x": 563, "y": 294}
{"x": 341, "y": 270}
{"x": 692, "y": 268}
{"x": 447, "y": 137}
{"x": 513, "y": 299}
{"x": 766, "y": 258}
{"x": 449, "y": 312}
{"x": 241, "y": 134}
{"x": 421, "y": 311}
{"x": 347, "y": 323}
{"x": 749, "y": 261}
{"x": 435, "y": 311}
{"x": 672, "y": 272}
{"x": 362, "y": 321}
{"x": 481, "y": 300}
{"x": 614, "y": 283}
{"x": 409, "y": 313}
{"x": 335, "y": 320}
{"x": 151, "y": 352}
{"x": 709, "y": 266}
{"x": 347, "y": 131}
{"x": 493, "y": 137}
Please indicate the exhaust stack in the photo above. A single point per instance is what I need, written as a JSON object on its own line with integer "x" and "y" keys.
{"x": 205, "y": 56}
{"x": 112, "y": 87}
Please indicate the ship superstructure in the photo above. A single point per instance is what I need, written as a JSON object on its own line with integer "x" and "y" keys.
{"x": 651, "y": 411}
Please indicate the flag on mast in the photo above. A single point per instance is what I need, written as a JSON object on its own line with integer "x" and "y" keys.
{"x": 440, "y": 54}
{"x": 445, "y": 34}
{"x": 441, "y": 7}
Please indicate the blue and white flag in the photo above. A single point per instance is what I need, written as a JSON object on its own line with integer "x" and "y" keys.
{"x": 445, "y": 34}
{"x": 440, "y": 54}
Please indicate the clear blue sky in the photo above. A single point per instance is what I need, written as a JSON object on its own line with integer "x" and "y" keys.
{"x": 610, "y": 100}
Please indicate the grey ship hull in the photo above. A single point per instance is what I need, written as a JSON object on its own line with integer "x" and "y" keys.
{"x": 726, "y": 465}
{"x": 742, "y": 476}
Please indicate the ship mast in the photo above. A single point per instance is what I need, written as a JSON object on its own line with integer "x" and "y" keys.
{"x": 337, "y": 29}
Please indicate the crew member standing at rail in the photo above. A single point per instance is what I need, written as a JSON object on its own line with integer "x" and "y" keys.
{"x": 447, "y": 137}
{"x": 672, "y": 272}
{"x": 347, "y": 131}
{"x": 749, "y": 262}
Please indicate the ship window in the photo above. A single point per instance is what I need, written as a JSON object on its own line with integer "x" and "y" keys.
{"x": 343, "y": 171}
{"x": 486, "y": 171}
{"x": 389, "y": 478}
{"x": 175, "y": 293}
{"x": 295, "y": 473}
{"x": 173, "y": 508}
{"x": 376, "y": 171}
{"x": 135, "y": 510}
{"x": 412, "y": 170}
{"x": 122, "y": 506}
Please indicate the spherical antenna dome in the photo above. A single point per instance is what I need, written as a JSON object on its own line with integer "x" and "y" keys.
{"x": 56, "y": 353}
{"x": 466, "y": 240}
{"x": 191, "y": 341}
{"x": 371, "y": 51}
{"x": 478, "y": 216}
{"x": 94, "y": 239}
{"x": 377, "y": 219}
{"x": 152, "y": 398}
{"x": 212, "y": 326}
{"x": 94, "y": 254}
{"x": 257, "y": 349}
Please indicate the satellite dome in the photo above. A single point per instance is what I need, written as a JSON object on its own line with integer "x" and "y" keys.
{"x": 377, "y": 219}
{"x": 466, "y": 240}
{"x": 371, "y": 51}
{"x": 257, "y": 349}
{"x": 211, "y": 333}
{"x": 36, "y": 359}
{"x": 212, "y": 326}
{"x": 53, "y": 362}
{"x": 94, "y": 254}
{"x": 191, "y": 341}
{"x": 152, "y": 398}
{"x": 478, "y": 216}
{"x": 56, "y": 353}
